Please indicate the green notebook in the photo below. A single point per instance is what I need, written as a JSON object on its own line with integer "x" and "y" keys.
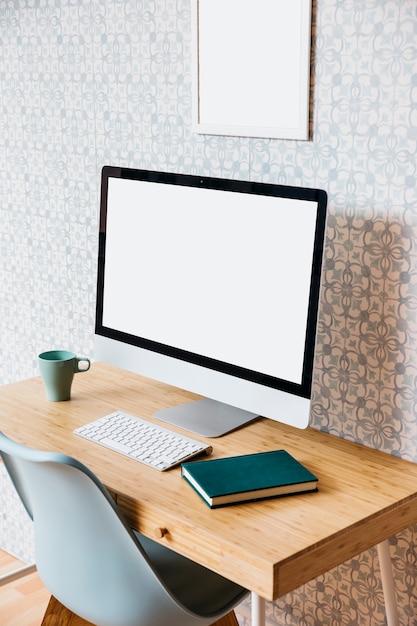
{"x": 248, "y": 477}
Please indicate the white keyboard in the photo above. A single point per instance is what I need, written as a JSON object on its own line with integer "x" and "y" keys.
{"x": 141, "y": 440}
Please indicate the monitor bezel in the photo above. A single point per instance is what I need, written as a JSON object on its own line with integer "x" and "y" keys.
{"x": 317, "y": 196}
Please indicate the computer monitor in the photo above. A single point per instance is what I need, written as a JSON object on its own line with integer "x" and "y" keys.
{"x": 211, "y": 285}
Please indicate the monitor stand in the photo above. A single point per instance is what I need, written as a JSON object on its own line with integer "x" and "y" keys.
{"x": 206, "y": 417}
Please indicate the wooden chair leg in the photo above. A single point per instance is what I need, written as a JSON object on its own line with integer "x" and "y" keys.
{"x": 227, "y": 620}
{"x": 58, "y": 615}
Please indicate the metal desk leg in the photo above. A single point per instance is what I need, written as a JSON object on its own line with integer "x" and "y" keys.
{"x": 388, "y": 585}
{"x": 258, "y": 610}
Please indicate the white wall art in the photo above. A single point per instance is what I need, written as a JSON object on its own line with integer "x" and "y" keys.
{"x": 252, "y": 67}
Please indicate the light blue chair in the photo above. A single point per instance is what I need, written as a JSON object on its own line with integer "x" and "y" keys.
{"x": 94, "y": 564}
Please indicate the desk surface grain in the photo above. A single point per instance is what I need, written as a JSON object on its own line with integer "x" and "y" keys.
{"x": 270, "y": 547}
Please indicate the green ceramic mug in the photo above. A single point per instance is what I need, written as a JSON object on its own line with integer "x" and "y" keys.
{"x": 57, "y": 368}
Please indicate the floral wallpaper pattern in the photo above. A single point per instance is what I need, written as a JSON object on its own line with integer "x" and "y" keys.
{"x": 85, "y": 83}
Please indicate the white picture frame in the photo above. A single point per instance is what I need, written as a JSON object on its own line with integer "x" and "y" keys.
{"x": 251, "y": 68}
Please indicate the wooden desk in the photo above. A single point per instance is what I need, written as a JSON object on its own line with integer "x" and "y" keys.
{"x": 270, "y": 547}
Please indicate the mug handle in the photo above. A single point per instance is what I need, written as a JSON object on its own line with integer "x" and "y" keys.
{"x": 82, "y": 359}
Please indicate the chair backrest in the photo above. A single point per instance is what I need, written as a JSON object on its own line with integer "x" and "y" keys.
{"x": 86, "y": 555}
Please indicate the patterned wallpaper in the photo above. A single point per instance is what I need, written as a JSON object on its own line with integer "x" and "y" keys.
{"x": 85, "y": 83}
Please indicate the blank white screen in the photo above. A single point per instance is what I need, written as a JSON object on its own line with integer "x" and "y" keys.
{"x": 221, "y": 274}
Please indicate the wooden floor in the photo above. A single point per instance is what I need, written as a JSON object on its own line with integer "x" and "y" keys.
{"x": 22, "y": 602}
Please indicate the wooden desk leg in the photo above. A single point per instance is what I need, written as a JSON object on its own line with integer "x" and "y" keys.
{"x": 258, "y": 610}
{"x": 388, "y": 585}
